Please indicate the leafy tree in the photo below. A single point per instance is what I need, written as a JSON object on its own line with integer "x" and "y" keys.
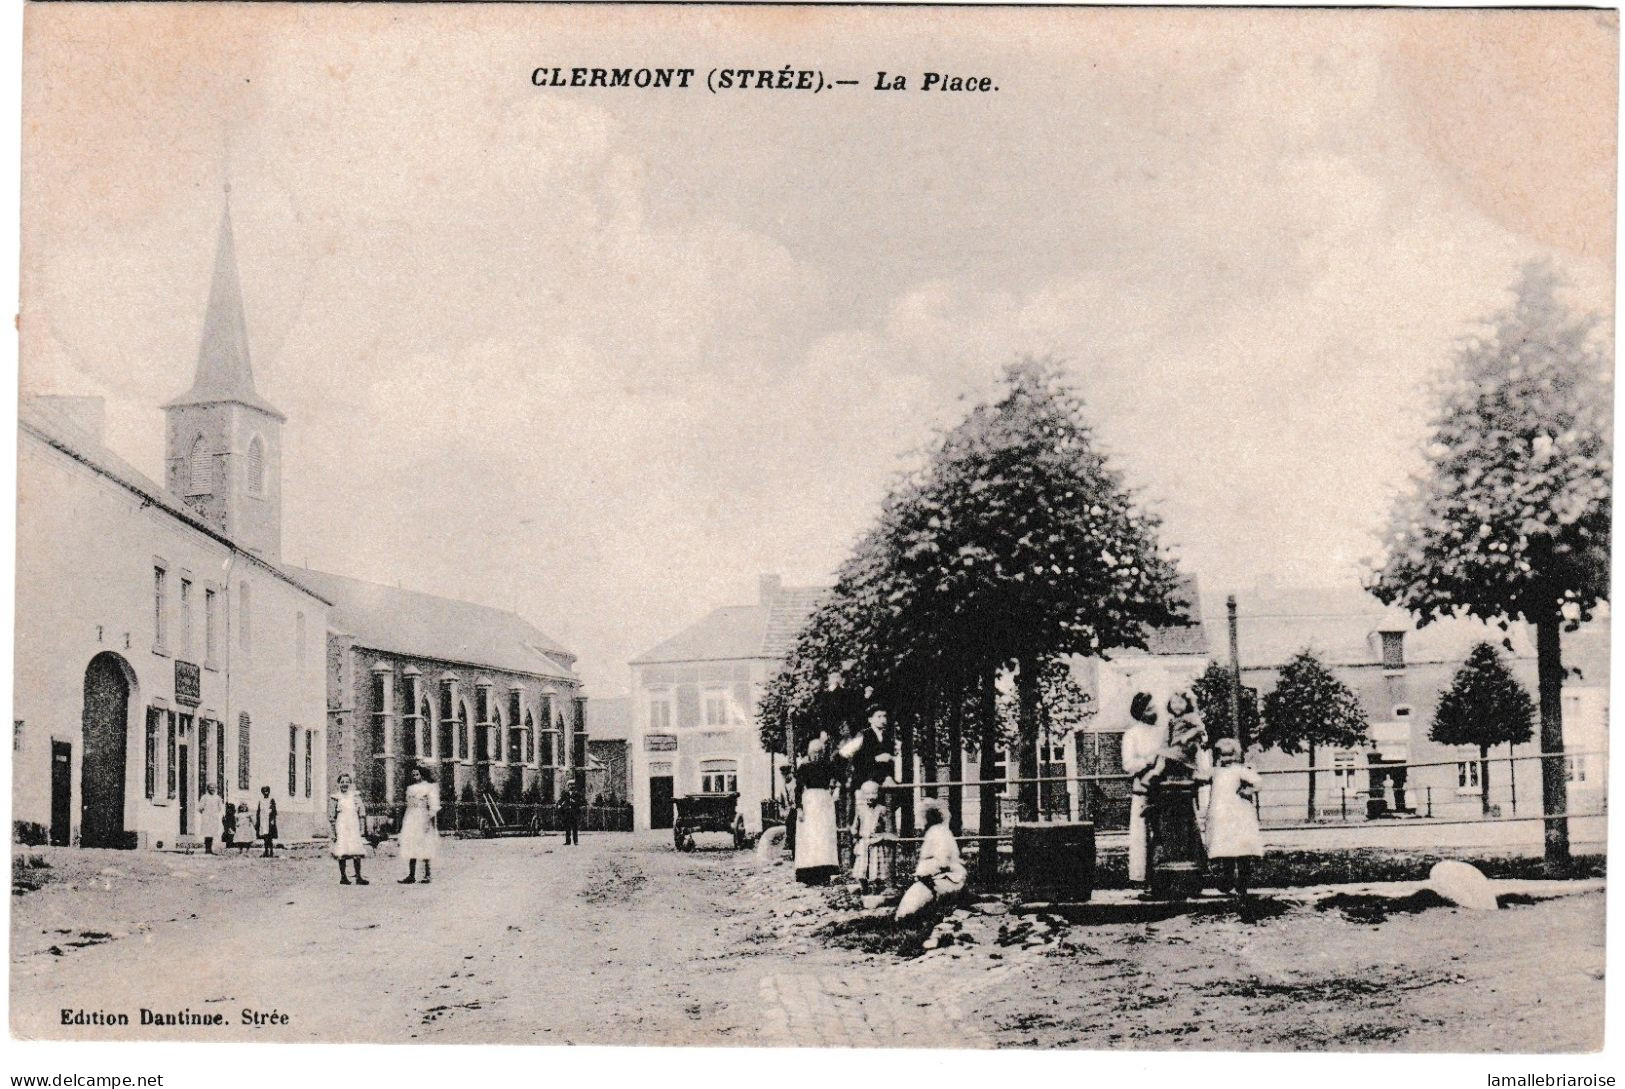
{"x": 1484, "y": 706}
{"x": 1511, "y": 519}
{"x": 1212, "y": 692}
{"x": 1309, "y": 707}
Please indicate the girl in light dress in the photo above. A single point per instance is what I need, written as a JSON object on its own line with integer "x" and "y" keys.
{"x": 419, "y": 837}
{"x": 345, "y": 815}
{"x": 1233, "y": 838}
{"x": 874, "y": 840}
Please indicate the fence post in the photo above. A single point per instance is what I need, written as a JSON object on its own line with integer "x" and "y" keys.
{"x": 1430, "y": 801}
{"x": 1345, "y": 803}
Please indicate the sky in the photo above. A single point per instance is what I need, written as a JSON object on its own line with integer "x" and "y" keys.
{"x": 605, "y": 356}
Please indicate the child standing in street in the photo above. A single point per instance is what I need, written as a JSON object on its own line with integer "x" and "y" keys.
{"x": 1233, "y": 838}
{"x": 345, "y": 815}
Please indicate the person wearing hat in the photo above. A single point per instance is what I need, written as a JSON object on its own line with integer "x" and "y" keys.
{"x": 1233, "y": 838}
{"x": 1143, "y": 743}
{"x": 866, "y": 752}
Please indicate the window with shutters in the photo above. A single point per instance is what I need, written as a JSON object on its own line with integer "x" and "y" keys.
{"x": 293, "y": 761}
{"x": 243, "y": 769}
{"x": 199, "y": 477}
{"x": 256, "y": 467}
{"x": 186, "y": 619}
{"x": 151, "y": 778}
{"x": 169, "y": 756}
{"x": 220, "y": 758}
{"x": 211, "y": 628}
{"x": 160, "y": 627}
{"x": 310, "y": 747}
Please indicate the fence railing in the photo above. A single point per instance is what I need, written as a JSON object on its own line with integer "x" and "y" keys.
{"x": 1400, "y": 790}
{"x": 509, "y": 818}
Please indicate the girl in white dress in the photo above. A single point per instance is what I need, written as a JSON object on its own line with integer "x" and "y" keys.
{"x": 1233, "y": 838}
{"x": 345, "y": 815}
{"x": 874, "y": 842}
{"x": 419, "y": 837}
{"x": 941, "y": 872}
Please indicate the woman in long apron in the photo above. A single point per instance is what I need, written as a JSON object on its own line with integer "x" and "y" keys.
{"x": 816, "y": 854}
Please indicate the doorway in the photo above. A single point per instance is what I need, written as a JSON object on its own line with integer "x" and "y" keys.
{"x": 183, "y": 768}
{"x": 61, "y": 792}
{"x": 660, "y": 801}
{"x": 106, "y": 719}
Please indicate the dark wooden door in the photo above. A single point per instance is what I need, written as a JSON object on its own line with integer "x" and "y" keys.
{"x": 61, "y": 792}
{"x": 184, "y": 801}
{"x": 660, "y": 801}
{"x": 102, "y": 759}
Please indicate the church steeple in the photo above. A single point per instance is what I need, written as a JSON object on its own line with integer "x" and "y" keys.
{"x": 223, "y": 441}
{"x": 224, "y": 372}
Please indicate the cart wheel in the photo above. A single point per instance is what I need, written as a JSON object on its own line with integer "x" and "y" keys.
{"x": 688, "y": 842}
{"x": 740, "y": 839}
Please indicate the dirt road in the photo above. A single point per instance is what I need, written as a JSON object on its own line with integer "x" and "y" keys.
{"x": 623, "y": 941}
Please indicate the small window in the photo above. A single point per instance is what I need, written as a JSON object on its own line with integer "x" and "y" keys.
{"x": 243, "y": 769}
{"x": 256, "y": 467}
{"x": 160, "y": 589}
{"x": 660, "y": 713}
{"x": 1574, "y": 769}
{"x": 1467, "y": 781}
{"x": 1393, "y": 650}
{"x": 1344, "y": 767}
{"x": 211, "y": 628}
{"x": 716, "y": 707}
{"x": 719, "y": 777}
{"x": 199, "y": 468}
{"x": 1402, "y": 711}
{"x": 186, "y": 618}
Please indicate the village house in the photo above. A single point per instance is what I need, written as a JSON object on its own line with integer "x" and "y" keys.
{"x": 694, "y": 696}
{"x": 161, "y": 647}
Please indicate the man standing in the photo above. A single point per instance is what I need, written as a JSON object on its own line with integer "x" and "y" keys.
{"x": 265, "y": 821}
{"x": 571, "y": 805}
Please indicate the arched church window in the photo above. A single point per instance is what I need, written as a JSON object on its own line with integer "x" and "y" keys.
{"x": 197, "y": 468}
{"x": 256, "y": 467}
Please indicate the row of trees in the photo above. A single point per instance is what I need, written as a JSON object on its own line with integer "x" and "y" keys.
{"x": 1014, "y": 546}
{"x": 1017, "y": 545}
{"x": 1310, "y": 708}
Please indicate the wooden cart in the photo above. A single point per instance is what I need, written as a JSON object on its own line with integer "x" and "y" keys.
{"x": 707, "y": 813}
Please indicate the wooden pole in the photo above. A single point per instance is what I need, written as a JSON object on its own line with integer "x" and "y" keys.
{"x": 1235, "y": 675}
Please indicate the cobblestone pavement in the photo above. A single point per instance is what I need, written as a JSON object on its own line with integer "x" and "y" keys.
{"x": 847, "y": 1010}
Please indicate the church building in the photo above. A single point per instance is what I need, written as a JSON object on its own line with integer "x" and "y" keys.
{"x": 161, "y": 647}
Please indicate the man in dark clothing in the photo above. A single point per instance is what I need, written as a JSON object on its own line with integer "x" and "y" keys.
{"x": 265, "y": 821}
{"x": 570, "y": 804}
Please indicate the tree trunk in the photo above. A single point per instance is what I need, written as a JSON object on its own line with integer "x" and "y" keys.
{"x": 1484, "y": 776}
{"x": 1027, "y": 699}
{"x": 928, "y": 747}
{"x": 956, "y": 759}
{"x": 1311, "y": 781}
{"x": 1553, "y": 774}
{"x": 987, "y": 857}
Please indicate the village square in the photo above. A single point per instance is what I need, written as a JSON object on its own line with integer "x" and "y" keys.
{"x": 960, "y": 684}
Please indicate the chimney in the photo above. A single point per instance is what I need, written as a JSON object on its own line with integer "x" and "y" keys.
{"x": 768, "y": 587}
{"x": 87, "y": 415}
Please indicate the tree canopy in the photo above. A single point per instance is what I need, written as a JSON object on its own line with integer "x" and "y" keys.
{"x": 1309, "y": 707}
{"x": 1484, "y": 705}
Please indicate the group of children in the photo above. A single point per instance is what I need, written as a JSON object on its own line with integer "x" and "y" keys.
{"x": 237, "y": 826}
{"x": 1153, "y": 752}
{"x": 347, "y": 817}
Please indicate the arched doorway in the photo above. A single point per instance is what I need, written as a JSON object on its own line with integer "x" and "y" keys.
{"x": 106, "y": 717}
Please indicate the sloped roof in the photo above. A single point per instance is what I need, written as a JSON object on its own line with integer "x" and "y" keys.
{"x": 733, "y": 631}
{"x": 1342, "y": 625}
{"x": 786, "y": 614}
{"x": 224, "y": 372}
{"x": 399, "y": 621}
{"x": 42, "y": 422}
{"x": 609, "y": 719}
{"x": 764, "y": 630}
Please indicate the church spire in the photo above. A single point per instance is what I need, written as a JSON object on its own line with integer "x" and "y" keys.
{"x": 224, "y": 373}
